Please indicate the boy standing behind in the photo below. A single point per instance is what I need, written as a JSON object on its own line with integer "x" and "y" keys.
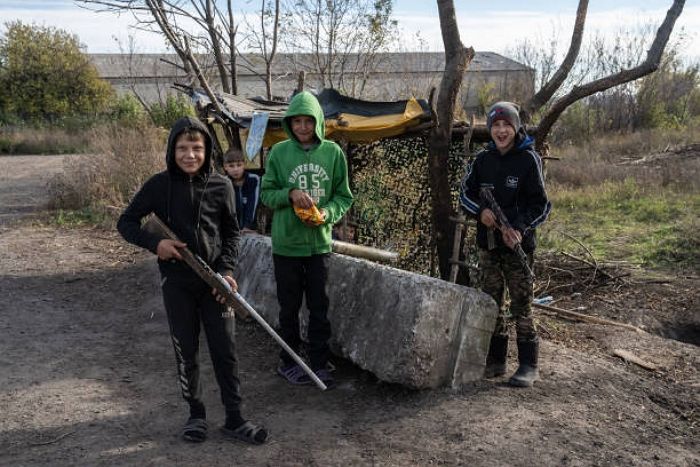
{"x": 513, "y": 169}
{"x": 247, "y": 188}
{"x": 197, "y": 204}
{"x": 304, "y": 172}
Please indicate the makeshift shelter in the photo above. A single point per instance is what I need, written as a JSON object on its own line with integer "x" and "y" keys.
{"x": 348, "y": 120}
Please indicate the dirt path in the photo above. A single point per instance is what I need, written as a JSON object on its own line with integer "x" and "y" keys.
{"x": 88, "y": 378}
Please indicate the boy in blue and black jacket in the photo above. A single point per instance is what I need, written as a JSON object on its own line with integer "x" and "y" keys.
{"x": 247, "y": 188}
{"x": 198, "y": 206}
{"x": 512, "y": 167}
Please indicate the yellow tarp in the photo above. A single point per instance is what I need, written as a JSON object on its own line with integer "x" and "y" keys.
{"x": 356, "y": 128}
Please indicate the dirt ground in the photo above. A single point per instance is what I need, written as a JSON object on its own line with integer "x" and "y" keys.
{"x": 88, "y": 375}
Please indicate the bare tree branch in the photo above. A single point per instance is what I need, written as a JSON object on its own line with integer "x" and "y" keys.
{"x": 210, "y": 19}
{"x": 232, "y": 30}
{"x": 650, "y": 64}
{"x": 202, "y": 78}
{"x": 548, "y": 90}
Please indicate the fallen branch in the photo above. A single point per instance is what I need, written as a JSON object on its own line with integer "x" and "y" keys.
{"x": 55, "y": 440}
{"x": 594, "y": 266}
{"x": 588, "y": 250}
{"x": 587, "y": 318}
{"x": 630, "y": 357}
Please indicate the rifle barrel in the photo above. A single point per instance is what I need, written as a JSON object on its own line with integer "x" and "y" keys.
{"x": 203, "y": 270}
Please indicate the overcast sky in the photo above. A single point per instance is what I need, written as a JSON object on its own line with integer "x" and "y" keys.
{"x": 485, "y": 25}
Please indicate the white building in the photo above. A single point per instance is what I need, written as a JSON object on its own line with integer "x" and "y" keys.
{"x": 489, "y": 77}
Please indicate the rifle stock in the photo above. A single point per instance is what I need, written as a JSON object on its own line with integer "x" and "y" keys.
{"x": 487, "y": 198}
{"x": 233, "y": 299}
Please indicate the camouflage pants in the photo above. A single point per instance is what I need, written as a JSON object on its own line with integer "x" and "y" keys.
{"x": 501, "y": 268}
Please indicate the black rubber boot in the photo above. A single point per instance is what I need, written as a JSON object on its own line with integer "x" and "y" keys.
{"x": 527, "y": 372}
{"x": 496, "y": 358}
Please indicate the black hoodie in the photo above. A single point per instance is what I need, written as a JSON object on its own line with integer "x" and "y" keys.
{"x": 518, "y": 189}
{"x": 200, "y": 209}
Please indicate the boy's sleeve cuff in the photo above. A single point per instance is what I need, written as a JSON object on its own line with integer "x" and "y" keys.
{"x": 519, "y": 226}
{"x": 226, "y": 272}
{"x": 152, "y": 245}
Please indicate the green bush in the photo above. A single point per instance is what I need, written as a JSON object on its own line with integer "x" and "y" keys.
{"x": 45, "y": 76}
{"x": 166, "y": 113}
{"x": 127, "y": 110}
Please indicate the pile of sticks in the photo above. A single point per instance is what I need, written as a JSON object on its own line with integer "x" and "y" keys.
{"x": 565, "y": 272}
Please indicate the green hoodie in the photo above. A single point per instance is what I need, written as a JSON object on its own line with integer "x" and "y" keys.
{"x": 321, "y": 171}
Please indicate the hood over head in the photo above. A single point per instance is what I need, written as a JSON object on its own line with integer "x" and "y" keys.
{"x": 188, "y": 123}
{"x": 305, "y": 103}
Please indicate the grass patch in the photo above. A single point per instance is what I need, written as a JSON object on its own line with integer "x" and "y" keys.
{"x": 77, "y": 218}
{"x": 626, "y": 221}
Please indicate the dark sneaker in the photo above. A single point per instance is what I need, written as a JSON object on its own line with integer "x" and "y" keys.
{"x": 294, "y": 374}
{"x": 325, "y": 376}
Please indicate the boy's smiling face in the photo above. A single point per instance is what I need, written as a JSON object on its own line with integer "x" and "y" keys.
{"x": 304, "y": 128}
{"x": 190, "y": 152}
{"x": 503, "y": 135}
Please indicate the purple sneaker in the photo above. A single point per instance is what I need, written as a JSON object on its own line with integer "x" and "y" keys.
{"x": 294, "y": 374}
{"x": 325, "y": 376}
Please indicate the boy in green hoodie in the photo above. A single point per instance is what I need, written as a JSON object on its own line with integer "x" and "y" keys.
{"x": 304, "y": 171}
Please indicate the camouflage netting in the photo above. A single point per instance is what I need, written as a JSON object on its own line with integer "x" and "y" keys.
{"x": 389, "y": 179}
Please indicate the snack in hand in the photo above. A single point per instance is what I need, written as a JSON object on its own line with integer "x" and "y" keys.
{"x": 311, "y": 214}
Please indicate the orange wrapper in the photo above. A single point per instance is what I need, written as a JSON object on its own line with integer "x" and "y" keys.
{"x": 311, "y": 214}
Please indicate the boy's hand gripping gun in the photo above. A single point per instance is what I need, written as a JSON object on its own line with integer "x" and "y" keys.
{"x": 233, "y": 299}
{"x": 488, "y": 201}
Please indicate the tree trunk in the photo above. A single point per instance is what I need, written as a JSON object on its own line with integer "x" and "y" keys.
{"x": 457, "y": 59}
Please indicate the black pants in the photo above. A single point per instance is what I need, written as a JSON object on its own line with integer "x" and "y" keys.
{"x": 296, "y": 276}
{"x": 190, "y": 304}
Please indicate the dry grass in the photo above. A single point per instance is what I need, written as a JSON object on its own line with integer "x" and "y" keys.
{"x": 632, "y": 197}
{"x": 615, "y": 158}
{"x": 124, "y": 158}
{"x": 25, "y": 140}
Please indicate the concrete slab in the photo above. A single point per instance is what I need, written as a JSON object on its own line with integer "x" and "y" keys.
{"x": 405, "y": 328}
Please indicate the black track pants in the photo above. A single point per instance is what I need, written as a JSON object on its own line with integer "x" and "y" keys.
{"x": 295, "y": 277}
{"x": 190, "y": 304}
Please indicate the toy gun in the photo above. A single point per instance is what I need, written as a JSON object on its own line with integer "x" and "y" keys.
{"x": 233, "y": 299}
{"x": 488, "y": 201}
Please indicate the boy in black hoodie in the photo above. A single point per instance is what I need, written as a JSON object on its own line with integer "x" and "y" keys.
{"x": 198, "y": 206}
{"x": 512, "y": 168}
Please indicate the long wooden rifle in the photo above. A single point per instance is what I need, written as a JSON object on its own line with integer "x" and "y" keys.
{"x": 233, "y": 299}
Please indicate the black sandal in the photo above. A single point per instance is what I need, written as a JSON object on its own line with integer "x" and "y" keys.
{"x": 195, "y": 430}
{"x": 247, "y": 432}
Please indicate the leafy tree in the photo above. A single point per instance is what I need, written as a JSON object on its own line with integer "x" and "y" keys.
{"x": 44, "y": 75}
{"x": 669, "y": 98}
{"x": 127, "y": 110}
